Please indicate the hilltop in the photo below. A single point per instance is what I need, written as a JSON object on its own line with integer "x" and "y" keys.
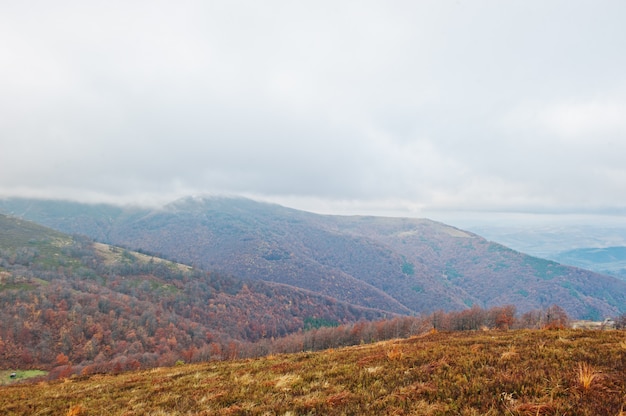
{"x": 515, "y": 372}
{"x": 399, "y": 265}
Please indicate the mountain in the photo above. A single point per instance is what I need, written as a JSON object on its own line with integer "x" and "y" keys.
{"x": 400, "y": 265}
{"x": 607, "y": 260}
{"x": 69, "y": 303}
{"x": 548, "y": 240}
{"x": 598, "y": 248}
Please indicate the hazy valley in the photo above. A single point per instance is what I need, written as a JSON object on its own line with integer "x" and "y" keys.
{"x": 599, "y": 248}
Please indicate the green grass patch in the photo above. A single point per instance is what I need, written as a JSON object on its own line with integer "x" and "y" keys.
{"x": 17, "y": 286}
{"x": 20, "y": 375}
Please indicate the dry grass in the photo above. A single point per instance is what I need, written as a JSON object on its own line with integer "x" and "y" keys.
{"x": 77, "y": 410}
{"x": 475, "y": 373}
{"x": 586, "y": 375}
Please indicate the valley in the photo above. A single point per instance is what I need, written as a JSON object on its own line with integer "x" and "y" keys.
{"x": 599, "y": 248}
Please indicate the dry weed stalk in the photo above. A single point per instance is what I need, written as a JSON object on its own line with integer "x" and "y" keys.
{"x": 77, "y": 410}
{"x": 586, "y": 375}
{"x": 476, "y": 348}
{"x": 339, "y": 398}
{"x": 395, "y": 353}
{"x": 509, "y": 354}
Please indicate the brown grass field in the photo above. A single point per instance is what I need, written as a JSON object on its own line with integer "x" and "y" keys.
{"x": 566, "y": 372}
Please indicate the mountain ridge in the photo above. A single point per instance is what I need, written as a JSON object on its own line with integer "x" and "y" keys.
{"x": 401, "y": 265}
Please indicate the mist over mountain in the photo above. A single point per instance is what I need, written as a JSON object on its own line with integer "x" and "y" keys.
{"x": 400, "y": 265}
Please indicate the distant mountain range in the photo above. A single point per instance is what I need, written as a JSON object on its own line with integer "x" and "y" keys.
{"x": 398, "y": 265}
{"x": 607, "y": 260}
{"x": 598, "y": 248}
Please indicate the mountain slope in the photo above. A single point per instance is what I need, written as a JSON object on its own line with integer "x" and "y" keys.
{"x": 68, "y": 302}
{"x": 395, "y": 264}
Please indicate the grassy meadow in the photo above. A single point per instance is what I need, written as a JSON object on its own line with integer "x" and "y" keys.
{"x": 566, "y": 372}
{"x": 20, "y": 375}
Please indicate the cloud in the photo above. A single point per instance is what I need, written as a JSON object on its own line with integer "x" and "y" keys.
{"x": 419, "y": 105}
{"x": 568, "y": 155}
{"x": 585, "y": 120}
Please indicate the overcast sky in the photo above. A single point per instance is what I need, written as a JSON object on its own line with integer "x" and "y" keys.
{"x": 417, "y": 108}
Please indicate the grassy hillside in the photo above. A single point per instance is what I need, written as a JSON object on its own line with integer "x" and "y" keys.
{"x": 399, "y": 265}
{"x": 471, "y": 373}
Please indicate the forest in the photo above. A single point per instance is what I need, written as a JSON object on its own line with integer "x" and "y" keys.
{"x": 67, "y": 308}
{"x": 142, "y": 315}
{"x": 75, "y": 307}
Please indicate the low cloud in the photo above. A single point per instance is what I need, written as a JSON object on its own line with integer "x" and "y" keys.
{"x": 425, "y": 107}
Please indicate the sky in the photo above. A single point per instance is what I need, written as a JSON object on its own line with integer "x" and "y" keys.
{"x": 440, "y": 109}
